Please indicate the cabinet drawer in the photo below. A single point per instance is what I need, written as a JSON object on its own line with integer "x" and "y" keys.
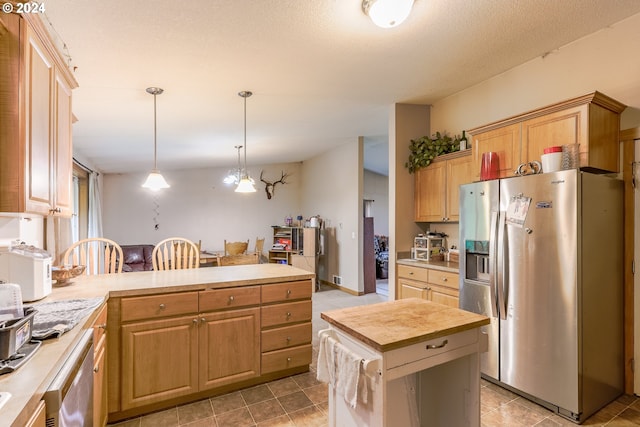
{"x": 286, "y": 291}
{"x": 156, "y": 306}
{"x": 100, "y": 328}
{"x": 286, "y": 337}
{"x": 283, "y": 314}
{"x": 444, "y": 278}
{"x": 220, "y": 299}
{"x": 413, "y": 273}
{"x": 279, "y": 360}
{"x": 419, "y": 351}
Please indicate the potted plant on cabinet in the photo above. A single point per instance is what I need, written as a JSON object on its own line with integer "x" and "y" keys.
{"x": 425, "y": 149}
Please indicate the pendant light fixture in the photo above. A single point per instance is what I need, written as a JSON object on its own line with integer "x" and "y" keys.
{"x": 387, "y": 13}
{"x": 246, "y": 184}
{"x": 155, "y": 181}
{"x": 233, "y": 176}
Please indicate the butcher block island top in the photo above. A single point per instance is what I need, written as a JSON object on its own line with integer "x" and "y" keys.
{"x": 391, "y": 325}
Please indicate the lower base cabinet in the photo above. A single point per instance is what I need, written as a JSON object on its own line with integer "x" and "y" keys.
{"x": 431, "y": 284}
{"x": 159, "y": 360}
{"x": 176, "y": 345}
{"x": 229, "y": 347}
{"x": 39, "y": 417}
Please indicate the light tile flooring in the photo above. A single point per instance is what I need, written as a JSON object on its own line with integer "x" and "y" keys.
{"x": 302, "y": 401}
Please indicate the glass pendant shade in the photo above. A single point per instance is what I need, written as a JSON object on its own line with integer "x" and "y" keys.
{"x": 155, "y": 181}
{"x": 387, "y": 13}
{"x": 246, "y": 185}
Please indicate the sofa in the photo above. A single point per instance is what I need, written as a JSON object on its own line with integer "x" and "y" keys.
{"x": 137, "y": 258}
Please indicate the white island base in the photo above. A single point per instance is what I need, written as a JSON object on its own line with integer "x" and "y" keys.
{"x": 431, "y": 382}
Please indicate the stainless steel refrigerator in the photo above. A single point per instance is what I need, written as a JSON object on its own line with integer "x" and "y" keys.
{"x": 542, "y": 256}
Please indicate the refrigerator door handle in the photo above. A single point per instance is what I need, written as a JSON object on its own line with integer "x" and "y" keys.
{"x": 501, "y": 281}
{"x": 493, "y": 261}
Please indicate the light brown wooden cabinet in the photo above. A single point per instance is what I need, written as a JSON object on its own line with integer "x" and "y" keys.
{"x": 39, "y": 416}
{"x": 430, "y": 284}
{"x": 592, "y": 120}
{"x": 286, "y": 326}
{"x": 203, "y": 349}
{"x": 437, "y": 187}
{"x": 177, "y": 345}
{"x": 100, "y": 392}
{"x": 35, "y": 140}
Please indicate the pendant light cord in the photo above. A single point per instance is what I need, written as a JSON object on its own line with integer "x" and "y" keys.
{"x": 155, "y": 134}
{"x": 245, "y": 136}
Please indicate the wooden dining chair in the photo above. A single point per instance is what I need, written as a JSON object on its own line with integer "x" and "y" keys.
{"x": 259, "y": 247}
{"x": 99, "y": 255}
{"x": 235, "y": 248}
{"x": 175, "y": 253}
{"x": 241, "y": 259}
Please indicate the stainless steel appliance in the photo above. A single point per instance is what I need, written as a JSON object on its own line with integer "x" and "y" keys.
{"x": 542, "y": 256}
{"x": 69, "y": 399}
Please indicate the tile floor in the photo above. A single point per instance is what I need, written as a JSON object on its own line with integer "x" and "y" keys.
{"x": 302, "y": 401}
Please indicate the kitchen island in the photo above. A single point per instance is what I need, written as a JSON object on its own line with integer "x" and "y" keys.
{"x": 421, "y": 361}
{"x": 28, "y": 384}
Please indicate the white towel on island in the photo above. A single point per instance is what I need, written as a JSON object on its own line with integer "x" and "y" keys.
{"x": 347, "y": 374}
{"x": 340, "y": 368}
{"x": 326, "y": 366}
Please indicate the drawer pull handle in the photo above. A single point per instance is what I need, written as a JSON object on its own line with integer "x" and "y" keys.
{"x": 202, "y": 320}
{"x": 96, "y": 369}
{"x": 102, "y": 326}
{"x": 195, "y": 321}
{"x": 162, "y": 306}
{"x": 288, "y": 314}
{"x": 231, "y": 298}
{"x": 288, "y": 339}
{"x": 288, "y": 359}
{"x": 444, "y": 279}
{"x": 288, "y": 291}
{"x": 411, "y": 273}
{"x": 434, "y": 346}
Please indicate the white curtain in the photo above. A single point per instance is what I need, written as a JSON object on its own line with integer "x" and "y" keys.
{"x": 94, "y": 228}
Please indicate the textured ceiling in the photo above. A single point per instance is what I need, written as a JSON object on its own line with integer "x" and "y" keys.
{"x": 321, "y": 72}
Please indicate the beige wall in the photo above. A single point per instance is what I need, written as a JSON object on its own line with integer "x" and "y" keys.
{"x": 607, "y": 61}
{"x": 198, "y": 206}
{"x": 332, "y": 188}
{"x": 406, "y": 122}
{"x": 376, "y": 187}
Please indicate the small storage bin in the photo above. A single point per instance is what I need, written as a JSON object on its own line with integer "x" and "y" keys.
{"x": 14, "y": 333}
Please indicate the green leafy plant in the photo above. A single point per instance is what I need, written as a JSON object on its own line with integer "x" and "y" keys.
{"x": 425, "y": 149}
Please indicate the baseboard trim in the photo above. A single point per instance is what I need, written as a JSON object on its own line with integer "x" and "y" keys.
{"x": 341, "y": 288}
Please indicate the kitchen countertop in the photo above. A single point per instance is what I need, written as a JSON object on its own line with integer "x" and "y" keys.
{"x": 28, "y": 383}
{"x": 395, "y": 324}
{"x": 451, "y": 267}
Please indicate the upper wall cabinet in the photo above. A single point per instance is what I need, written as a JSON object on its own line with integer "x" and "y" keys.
{"x": 35, "y": 112}
{"x": 436, "y": 187}
{"x": 592, "y": 120}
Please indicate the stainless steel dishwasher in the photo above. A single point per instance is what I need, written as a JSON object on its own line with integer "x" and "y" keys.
{"x": 69, "y": 399}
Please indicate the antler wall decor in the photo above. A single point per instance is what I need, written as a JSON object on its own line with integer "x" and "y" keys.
{"x": 269, "y": 187}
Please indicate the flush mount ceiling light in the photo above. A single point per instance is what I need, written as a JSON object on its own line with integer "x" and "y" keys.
{"x": 246, "y": 184}
{"x": 233, "y": 176}
{"x": 387, "y": 13}
{"x": 155, "y": 181}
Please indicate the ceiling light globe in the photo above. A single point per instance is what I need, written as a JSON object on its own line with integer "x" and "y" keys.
{"x": 387, "y": 13}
